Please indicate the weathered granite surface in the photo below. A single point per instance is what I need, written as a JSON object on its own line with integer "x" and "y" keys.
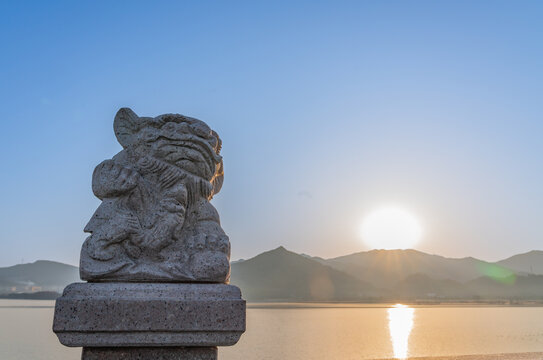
{"x": 136, "y": 314}
{"x": 155, "y": 222}
{"x": 207, "y": 353}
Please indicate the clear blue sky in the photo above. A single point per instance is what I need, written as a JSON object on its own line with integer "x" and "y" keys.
{"x": 327, "y": 110}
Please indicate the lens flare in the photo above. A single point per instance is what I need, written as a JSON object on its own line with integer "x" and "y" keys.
{"x": 497, "y": 273}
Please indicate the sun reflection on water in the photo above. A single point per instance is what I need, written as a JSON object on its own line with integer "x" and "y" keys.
{"x": 400, "y": 323}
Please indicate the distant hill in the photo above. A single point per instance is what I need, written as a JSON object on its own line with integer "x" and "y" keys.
{"x": 387, "y": 267}
{"x": 280, "y": 275}
{"x": 48, "y": 275}
{"x": 419, "y": 286}
{"x": 512, "y": 287}
{"x": 377, "y": 275}
{"x": 529, "y": 263}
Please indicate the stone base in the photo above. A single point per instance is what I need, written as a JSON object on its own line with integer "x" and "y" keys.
{"x": 149, "y": 353}
{"x": 141, "y": 315}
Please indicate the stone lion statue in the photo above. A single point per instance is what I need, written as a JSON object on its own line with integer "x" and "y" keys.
{"x": 155, "y": 222}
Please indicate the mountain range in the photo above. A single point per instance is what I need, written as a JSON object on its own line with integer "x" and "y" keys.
{"x": 387, "y": 275}
{"x": 41, "y": 275}
{"x": 376, "y": 275}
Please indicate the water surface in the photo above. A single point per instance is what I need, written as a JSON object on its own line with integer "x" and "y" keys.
{"x": 319, "y": 332}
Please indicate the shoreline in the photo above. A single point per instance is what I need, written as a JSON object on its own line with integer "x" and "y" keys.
{"x": 512, "y": 356}
{"x": 347, "y": 305}
{"x": 386, "y": 305}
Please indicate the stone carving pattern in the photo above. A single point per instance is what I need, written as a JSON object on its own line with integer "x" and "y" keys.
{"x": 155, "y": 222}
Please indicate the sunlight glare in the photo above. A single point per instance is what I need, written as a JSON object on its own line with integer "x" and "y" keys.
{"x": 400, "y": 323}
{"x": 391, "y": 228}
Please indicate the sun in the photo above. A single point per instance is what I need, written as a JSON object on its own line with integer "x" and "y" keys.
{"x": 391, "y": 228}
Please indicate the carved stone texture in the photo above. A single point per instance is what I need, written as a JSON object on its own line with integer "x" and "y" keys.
{"x": 208, "y": 353}
{"x": 155, "y": 222}
{"x": 147, "y": 315}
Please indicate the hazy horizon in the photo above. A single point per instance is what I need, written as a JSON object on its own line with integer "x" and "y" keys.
{"x": 76, "y": 263}
{"x": 327, "y": 112}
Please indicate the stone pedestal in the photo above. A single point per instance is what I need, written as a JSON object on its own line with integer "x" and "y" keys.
{"x": 170, "y": 353}
{"x": 149, "y": 320}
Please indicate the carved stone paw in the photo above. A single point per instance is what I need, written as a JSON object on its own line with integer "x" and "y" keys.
{"x": 110, "y": 179}
{"x": 210, "y": 266}
{"x": 101, "y": 244}
{"x": 210, "y": 259}
{"x": 99, "y": 248}
{"x": 211, "y": 242}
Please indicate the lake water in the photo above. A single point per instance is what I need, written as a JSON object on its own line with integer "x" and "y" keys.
{"x": 319, "y": 332}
